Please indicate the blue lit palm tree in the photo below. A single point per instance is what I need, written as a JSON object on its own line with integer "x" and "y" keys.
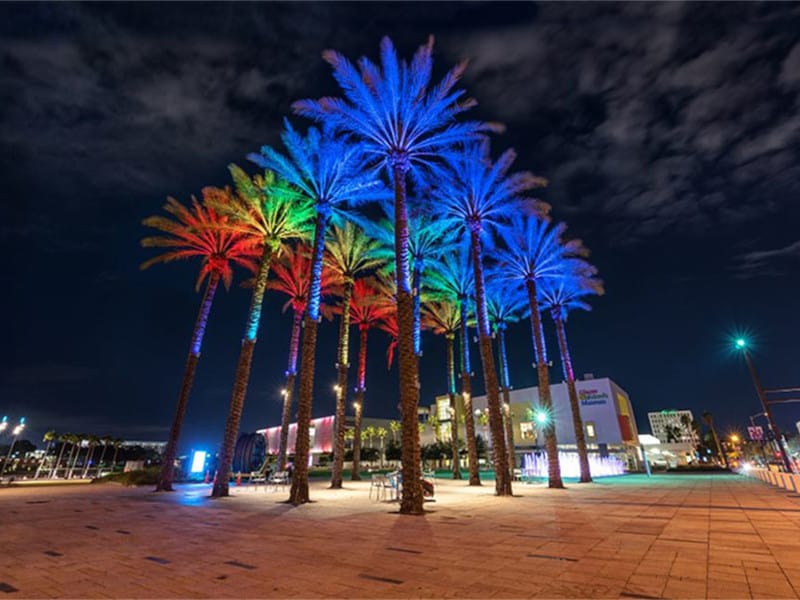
{"x": 533, "y": 253}
{"x": 505, "y": 306}
{"x": 561, "y": 295}
{"x": 452, "y": 278}
{"x": 404, "y": 124}
{"x": 476, "y": 198}
{"x": 266, "y": 207}
{"x": 329, "y": 171}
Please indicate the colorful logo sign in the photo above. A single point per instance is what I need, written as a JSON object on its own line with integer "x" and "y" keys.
{"x": 592, "y": 396}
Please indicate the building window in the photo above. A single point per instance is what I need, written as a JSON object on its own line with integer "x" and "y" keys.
{"x": 443, "y": 409}
{"x": 591, "y": 433}
{"x": 527, "y": 430}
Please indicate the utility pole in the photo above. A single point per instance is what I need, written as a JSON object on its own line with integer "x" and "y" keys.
{"x": 762, "y": 396}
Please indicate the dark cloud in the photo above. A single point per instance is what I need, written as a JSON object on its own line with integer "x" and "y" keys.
{"x": 764, "y": 263}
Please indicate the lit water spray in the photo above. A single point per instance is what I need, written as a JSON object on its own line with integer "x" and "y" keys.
{"x": 601, "y": 466}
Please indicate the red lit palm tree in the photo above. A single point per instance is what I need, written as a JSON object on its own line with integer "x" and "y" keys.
{"x": 444, "y": 318}
{"x": 349, "y": 253}
{"x": 291, "y": 277}
{"x": 266, "y": 207}
{"x": 562, "y": 294}
{"x": 477, "y": 198}
{"x": 407, "y": 125}
{"x": 370, "y": 305}
{"x": 189, "y": 233}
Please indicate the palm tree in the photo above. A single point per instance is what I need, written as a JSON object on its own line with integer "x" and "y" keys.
{"x": 708, "y": 418}
{"x": 291, "y": 277}
{"x": 94, "y": 441}
{"x": 267, "y": 208}
{"x": 349, "y": 254}
{"x": 476, "y": 198}
{"x": 117, "y": 445}
{"x": 395, "y": 428}
{"x": 444, "y": 318}
{"x": 63, "y": 440}
{"x": 194, "y": 232}
{"x": 560, "y": 295}
{"x": 381, "y": 433}
{"x": 107, "y": 440}
{"x": 369, "y": 305}
{"x": 370, "y": 432}
{"x": 48, "y": 437}
{"x": 505, "y": 306}
{"x": 453, "y": 280}
{"x": 77, "y": 442}
{"x": 329, "y": 172}
{"x": 405, "y": 125}
{"x": 535, "y": 252}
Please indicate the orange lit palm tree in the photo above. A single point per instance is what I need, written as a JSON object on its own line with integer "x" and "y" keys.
{"x": 189, "y": 233}
{"x": 349, "y": 253}
{"x": 268, "y": 208}
{"x": 369, "y": 305}
{"x": 444, "y": 318}
{"x": 560, "y": 295}
{"x": 291, "y": 277}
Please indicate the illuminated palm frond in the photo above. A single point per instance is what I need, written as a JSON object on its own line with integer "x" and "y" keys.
{"x": 567, "y": 291}
{"x": 291, "y": 274}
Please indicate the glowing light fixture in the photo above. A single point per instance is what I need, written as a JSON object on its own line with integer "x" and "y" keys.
{"x": 198, "y": 461}
{"x": 741, "y": 343}
{"x": 541, "y": 417}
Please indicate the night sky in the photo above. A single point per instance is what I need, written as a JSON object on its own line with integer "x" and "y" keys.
{"x": 670, "y": 134}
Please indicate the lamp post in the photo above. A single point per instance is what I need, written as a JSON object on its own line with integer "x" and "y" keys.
{"x": 15, "y": 432}
{"x": 742, "y": 345}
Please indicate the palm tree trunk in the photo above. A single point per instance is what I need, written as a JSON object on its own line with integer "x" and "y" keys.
{"x": 466, "y": 392}
{"x": 506, "y": 381}
{"x": 242, "y": 376}
{"x": 545, "y": 400}
{"x": 342, "y": 366}
{"x": 299, "y": 491}
{"x": 569, "y": 375}
{"x": 44, "y": 457}
{"x": 501, "y": 474}
{"x": 54, "y": 471}
{"x": 416, "y": 291}
{"x": 412, "y": 500}
{"x": 102, "y": 456}
{"x": 288, "y": 397}
{"x": 114, "y": 460}
{"x": 164, "y": 483}
{"x": 451, "y": 392}
{"x": 89, "y": 454}
{"x": 74, "y": 459}
{"x": 359, "y": 400}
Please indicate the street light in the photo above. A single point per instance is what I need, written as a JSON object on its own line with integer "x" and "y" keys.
{"x": 15, "y": 432}
{"x": 742, "y": 345}
{"x": 4, "y": 424}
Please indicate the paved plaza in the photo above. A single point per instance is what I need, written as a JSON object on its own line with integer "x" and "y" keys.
{"x": 672, "y": 536}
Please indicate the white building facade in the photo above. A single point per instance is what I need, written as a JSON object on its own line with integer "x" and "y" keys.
{"x": 673, "y": 426}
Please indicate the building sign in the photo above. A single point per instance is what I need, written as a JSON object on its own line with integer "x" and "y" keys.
{"x": 756, "y": 433}
{"x": 592, "y": 396}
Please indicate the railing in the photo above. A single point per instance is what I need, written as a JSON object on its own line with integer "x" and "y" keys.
{"x": 787, "y": 481}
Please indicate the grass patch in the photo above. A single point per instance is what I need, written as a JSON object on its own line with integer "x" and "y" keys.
{"x": 132, "y": 478}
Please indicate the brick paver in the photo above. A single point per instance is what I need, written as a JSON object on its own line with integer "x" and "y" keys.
{"x": 672, "y": 536}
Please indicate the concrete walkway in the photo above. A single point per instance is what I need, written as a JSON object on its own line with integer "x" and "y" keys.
{"x": 673, "y": 536}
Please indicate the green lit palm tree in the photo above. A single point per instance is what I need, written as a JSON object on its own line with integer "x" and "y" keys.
{"x": 406, "y": 125}
{"x": 453, "y": 280}
{"x": 349, "y": 254}
{"x": 534, "y": 252}
{"x": 329, "y": 172}
{"x": 444, "y": 318}
{"x": 561, "y": 295}
{"x": 265, "y": 207}
{"x": 477, "y": 198}
{"x": 190, "y": 233}
{"x": 505, "y": 307}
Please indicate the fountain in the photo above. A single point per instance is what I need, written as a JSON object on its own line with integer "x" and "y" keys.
{"x": 535, "y": 465}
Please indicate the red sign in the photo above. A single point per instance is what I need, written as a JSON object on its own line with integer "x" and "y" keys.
{"x": 756, "y": 433}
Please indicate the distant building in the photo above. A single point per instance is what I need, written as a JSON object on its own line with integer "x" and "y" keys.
{"x": 147, "y": 445}
{"x": 667, "y": 455}
{"x": 609, "y": 424}
{"x": 673, "y": 426}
